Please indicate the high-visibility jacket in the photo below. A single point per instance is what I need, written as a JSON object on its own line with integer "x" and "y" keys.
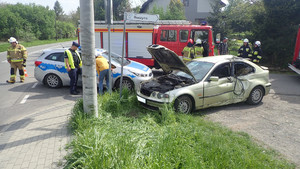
{"x": 188, "y": 53}
{"x": 198, "y": 50}
{"x": 245, "y": 51}
{"x": 256, "y": 56}
{"x": 71, "y": 60}
{"x": 17, "y": 53}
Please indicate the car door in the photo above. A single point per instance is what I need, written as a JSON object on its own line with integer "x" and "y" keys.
{"x": 242, "y": 73}
{"x": 220, "y": 90}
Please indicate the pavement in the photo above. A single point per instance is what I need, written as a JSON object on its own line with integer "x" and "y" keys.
{"x": 37, "y": 140}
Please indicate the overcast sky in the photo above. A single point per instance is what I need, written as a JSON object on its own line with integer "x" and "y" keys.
{"x": 67, "y": 5}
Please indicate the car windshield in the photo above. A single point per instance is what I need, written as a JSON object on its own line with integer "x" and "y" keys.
{"x": 198, "y": 69}
{"x": 116, "y": 58}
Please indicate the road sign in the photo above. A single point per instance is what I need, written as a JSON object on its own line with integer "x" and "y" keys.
{"x": 141, "y": 17}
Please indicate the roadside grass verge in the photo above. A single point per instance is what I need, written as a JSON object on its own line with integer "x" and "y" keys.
{"x": 125, "y": 135}
{"x": 4, "y": 46}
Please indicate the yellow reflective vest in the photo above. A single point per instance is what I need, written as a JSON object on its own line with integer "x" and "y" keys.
{"x": 71, "y": 60}
{"x": 17, "y": 53}
{"x": 198, "y": 51}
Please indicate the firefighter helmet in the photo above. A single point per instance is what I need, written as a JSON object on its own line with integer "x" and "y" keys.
{"x": 198, "y": 41}
{"x": 246, "y": 40}
{"x": 12, "y": 40}
{"x": 257, "y": 43}
{"x": 191, "y": 41}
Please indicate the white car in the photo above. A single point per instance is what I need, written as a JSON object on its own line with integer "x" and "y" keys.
{"x": 205, "y": 82}
{"x": 50, "y": 70}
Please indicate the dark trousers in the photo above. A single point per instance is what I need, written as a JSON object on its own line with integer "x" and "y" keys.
{"x": 73, "y": 74}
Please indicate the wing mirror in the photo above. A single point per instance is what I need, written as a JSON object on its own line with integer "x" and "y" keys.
{"x": 214, "y": 78}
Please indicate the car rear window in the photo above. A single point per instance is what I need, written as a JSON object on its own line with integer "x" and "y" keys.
{"x": 56, "y": 57}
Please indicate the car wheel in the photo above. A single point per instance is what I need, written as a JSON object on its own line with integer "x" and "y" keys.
{"x": 128, "y": 83}
{"x": 53, "y": 81}
{"x": 256, "y": 95}
{"x": 183, "y": 104}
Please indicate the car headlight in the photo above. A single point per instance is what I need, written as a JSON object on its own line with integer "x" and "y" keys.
{"x": 160, "y": 95}
{"x": 138, "y": 74}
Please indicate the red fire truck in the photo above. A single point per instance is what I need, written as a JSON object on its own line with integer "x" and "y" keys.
{"x": 295, "y": 66}
{"x": 173, "y": 34}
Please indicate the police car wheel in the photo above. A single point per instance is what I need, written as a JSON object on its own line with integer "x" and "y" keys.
{"x": 53, "y": 81}
{"x": 126, "y": 83}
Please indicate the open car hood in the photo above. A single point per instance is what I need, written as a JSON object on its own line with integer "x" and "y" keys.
{"x": 168, "y": 60}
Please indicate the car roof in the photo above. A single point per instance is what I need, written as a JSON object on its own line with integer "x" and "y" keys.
{"x": 219, "y": 58}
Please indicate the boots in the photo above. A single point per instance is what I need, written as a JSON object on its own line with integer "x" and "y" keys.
{"x": 10, "y": 81}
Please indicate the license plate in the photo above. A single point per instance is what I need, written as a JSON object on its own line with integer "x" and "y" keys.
{"x": 141, "y": 99}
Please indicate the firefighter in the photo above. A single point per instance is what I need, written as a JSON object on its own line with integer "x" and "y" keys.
{"x": 223, "y": 47}
{"x": 73, "y": 65}
{"x": 102, "y": 68}
{"x": 198, "y": 49}
{"x": 188, "y": 52}
{"x": 257, "y": 52}
{"x": 245, "y": 50}
{"x": 16, "y": 56}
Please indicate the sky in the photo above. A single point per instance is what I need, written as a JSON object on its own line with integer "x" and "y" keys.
{"x": 67, "y": 5}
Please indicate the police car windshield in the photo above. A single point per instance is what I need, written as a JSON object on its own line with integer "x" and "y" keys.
{"x": 116, "y": 58}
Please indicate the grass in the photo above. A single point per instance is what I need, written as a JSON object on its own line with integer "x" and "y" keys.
{"x": 4, "y": 46}
{"x": 125, "y": 135}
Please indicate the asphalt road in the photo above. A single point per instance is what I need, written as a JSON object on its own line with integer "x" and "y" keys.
{"x": 20, "y": 99}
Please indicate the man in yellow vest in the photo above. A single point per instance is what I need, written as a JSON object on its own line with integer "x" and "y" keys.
{"x": 73, "y": 64}
{"x": 16, "y": 56}
{"x": 198, "y": 49}
{"x": 188, "y": 51}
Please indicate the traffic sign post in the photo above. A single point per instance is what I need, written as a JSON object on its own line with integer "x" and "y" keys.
{"x": 130, "y": 16}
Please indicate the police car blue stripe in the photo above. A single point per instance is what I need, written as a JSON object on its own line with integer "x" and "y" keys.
{"x": 138, "y": 66}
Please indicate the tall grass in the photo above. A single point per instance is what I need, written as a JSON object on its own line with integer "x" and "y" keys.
{"x": 127, "y": 136}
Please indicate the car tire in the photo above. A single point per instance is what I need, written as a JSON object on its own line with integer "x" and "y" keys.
{"x": 52, "y": 81}
{"x": 256, "y": 95}
{"x": 183, "y": 104}
{"x": 126, "y": 83}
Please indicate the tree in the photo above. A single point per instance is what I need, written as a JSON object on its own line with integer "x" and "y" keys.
{"x": 58, "y": 10}
{"x": 119, "y": 7}
{"x": 276, "y": 28}
{"x": 175, "y": 11}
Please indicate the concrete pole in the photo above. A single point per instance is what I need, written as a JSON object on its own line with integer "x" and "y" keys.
{"x": 90, "y": 103}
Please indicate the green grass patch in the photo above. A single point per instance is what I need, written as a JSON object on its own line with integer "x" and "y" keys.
{"x": 4, "y": 46}
{"x": 125, "y": 135}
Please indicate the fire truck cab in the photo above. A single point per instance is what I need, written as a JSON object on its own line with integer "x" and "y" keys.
{"x": 295, "y": 66}
{"x": 173, "y": 34}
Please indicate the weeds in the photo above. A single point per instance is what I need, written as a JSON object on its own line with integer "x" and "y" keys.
{"x": 127, "y": 136}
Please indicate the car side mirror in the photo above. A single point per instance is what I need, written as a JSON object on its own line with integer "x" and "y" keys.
{"x": 214, "y": 78}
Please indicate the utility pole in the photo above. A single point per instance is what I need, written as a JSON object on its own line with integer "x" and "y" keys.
{"x": 90, "y": 103}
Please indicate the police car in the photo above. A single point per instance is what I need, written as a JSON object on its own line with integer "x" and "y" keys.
{"x": 50, "y": 70}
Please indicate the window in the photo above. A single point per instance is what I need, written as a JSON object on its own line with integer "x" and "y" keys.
{"x": 222, "y": 71}
{"x": 56, "y": 57}
{"x": 199, "y": 34}
{"x": 168, "y": 35}
{"x": 241, "y": 69}
{"x": 186, "y": 3}
{"x": 184, "y": 35}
